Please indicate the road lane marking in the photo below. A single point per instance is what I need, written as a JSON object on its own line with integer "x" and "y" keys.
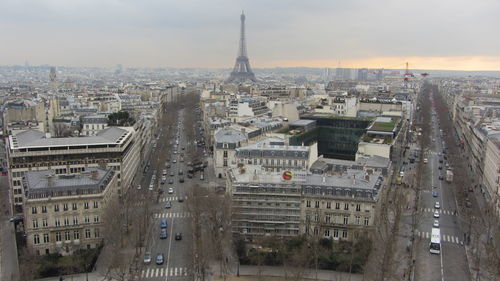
{"x": 147, "y": 273}
{"x": 156, "y": 273}
{"x": 176, "y": 271}
{"x": 169, "y": 246}
{"x": 161, "y": 272}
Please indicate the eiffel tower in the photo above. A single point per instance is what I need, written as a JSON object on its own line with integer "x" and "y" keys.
{"x": 242, "y": 71}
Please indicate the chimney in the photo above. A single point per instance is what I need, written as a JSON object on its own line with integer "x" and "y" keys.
{"x": 50, "y": 180}
{"x": 353, "y": 179}
{"x": 94, "y": 174}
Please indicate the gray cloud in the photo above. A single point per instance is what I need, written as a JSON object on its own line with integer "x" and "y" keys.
{"x": 205, "y": 33}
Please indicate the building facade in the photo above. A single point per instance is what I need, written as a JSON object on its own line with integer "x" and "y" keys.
{"x": 114, "y": 147}
{"x": 66, "y": 212}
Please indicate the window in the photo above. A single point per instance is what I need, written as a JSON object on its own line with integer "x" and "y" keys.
{"x": 344, "y": 233}
{"x": 225, "y": 153}
{"x": 86, "y": 205}
{"x": 346, "y": 206}
{"x": 66, "y": 221}
{"x": 44, "y": 209}
{"x": 45, "y": 223}
{"x": 337, "y": 206}
{"x": 367, "y": 220}
{"x": 224, "y": 163}
{"x": 74, "y": 207}
{"x": 316, "y": 204}
{"x": 358, "y": 207}
{"x": 33, "y": 210}
{"x": 87, "y": 233}
{"x": 327, "y": 218}
{"x": 58, "y": 236}
{"x": 316, "y": 231}
{"x": 75, "y": 220}
{"x": 336, "y": 233}
{"x": 65, "y": 206}
{"x": 45, "y": 238}
{"x": 327, "y": 233}
{"x": 96, "y": 219}
{"x": 328, "y": 205}
{"x": 308, "y": 203}
{"x": 87, "y": 219}
{"x": 67, "y": 236}
{"x": 96, "y": 233}
{"x": 56, "y": 208}
{"x": 76, "y": 234}
{"x": 36, "y": 239}
{"x": 346, "y": 220}
{"x": 57, "y": 222}
{"x": 96, "y": 204}
{"x": 35, "y": 223}
{"x": 316, "y": 217}
{"x": 358, "y": 220}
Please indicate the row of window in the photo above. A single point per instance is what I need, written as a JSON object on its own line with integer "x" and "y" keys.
{"x": 329, "y": 205}
{"x": 67, "y": 236}
{"x": 278, "y": 162}
{"x": 339, "y": 219}
{"x": 331, "y": 233}
{"x": 65, "y": 206}
{"x": 66, "y": 221}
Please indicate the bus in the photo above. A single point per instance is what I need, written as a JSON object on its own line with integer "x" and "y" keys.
{"x": 435, "y": 245}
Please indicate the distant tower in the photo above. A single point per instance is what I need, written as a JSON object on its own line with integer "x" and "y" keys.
{"x": 242, "y": 70}
{"x": 52, "y": 74}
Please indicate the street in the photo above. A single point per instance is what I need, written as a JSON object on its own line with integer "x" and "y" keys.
{"x": 451, "y": 263}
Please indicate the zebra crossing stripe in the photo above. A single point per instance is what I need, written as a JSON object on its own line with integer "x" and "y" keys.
{"x": 147, "y": 273}
{"x": 180, "y": 271}
{"x": 161, "y": 272}
{"x": 171, "y": 271}
{"x": 157, "y": 271}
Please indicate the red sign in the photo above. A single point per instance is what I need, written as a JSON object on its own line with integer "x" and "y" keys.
{"x": 287, "y": 175}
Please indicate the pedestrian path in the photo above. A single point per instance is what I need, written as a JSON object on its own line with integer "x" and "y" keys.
{"x": 164, "y": 271}
{"x": 172, "y": 198}
{"x": 172, "y": 215}
{"x": 445, "y": 212}
{"x": 444, "y": 237}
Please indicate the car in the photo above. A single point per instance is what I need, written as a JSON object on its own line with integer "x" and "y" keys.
{"x": 168, "y": 205}
{"x": 435, "y": 224}
{"x": 174, "y": 161}
{"x": 435, "y": 194}
{"x": 181, "y": 160}
{"x": 163, "y": 223}
{"x": 170, "y": 180}
{"x": 440, "y": 167}
{"x": 139, "y": 186}
{"x": 164, "y": 173}
{"x": 441, "y": 178}
{"x": 181, "y": 179}
{"x": 172, "y": 173}
{"x": 202, "y": 176}
{"x": 170, "y": 190}
{"x": 436, "y": 214}
{"x": 441, "y": 161}
{"x": 180, "y": 199}
{"x": 178, "y": 236}
{"x": 190, "y": 175}
{"x": 147, "y": 258}
{"x": 160, "y": 259}
{"x": 425, "y": 160}
{"x": 163, "y": 233}
{"x": 151, "y": 186}
{"x": 180, "y": 172}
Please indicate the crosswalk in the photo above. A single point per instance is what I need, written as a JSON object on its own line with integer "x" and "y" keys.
{"x": 164, "y": 271}
{"x": 444, "y": 237}
{"x": 172, "y": 215}
{"x": 172, "y": 198}
{"x": 442, "y": 212}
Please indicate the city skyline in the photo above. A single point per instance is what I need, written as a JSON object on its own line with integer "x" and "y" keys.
{"x": 321, "y": 34}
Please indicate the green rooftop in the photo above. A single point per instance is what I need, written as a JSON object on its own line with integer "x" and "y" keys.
{"x": 384, "y": 124}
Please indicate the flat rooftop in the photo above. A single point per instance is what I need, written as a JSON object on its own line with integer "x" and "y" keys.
{"x": 38, "y": 139}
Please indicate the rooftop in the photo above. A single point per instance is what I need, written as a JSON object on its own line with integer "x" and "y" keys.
{"x": 384, "y": 124}
{"x": 228, "y": 135}
{"x": 44, "y": 184}
{"x": 38, "y": 139}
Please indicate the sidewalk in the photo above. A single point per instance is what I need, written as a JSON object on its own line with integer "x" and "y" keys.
{"x": 279, "y": 271}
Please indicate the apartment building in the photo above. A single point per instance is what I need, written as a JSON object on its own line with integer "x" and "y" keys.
{"x": 92, "y": 124}
{"x": 491, "y": 178}
{"x": 274, "y": 154}
{"x": 66, "y": 212}
{"x": 32, "y": 150}
{"x": 296, "y": 202}
{"x": 225, "y": 143}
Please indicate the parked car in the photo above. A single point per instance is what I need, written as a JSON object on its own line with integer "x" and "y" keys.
{"x": 147, "y": 258}
{"x": 435, "y": 194}
{"x": 435, "y": 224}
{"x": 437, "y": 205}
{"x": 168, "y": 205}
{"x": 170, "y": 190}
{"x": 163, "y": 233}
{"x": 436, "y": 214}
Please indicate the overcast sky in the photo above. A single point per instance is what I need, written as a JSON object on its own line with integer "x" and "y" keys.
{"x": 429, "y": 34}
